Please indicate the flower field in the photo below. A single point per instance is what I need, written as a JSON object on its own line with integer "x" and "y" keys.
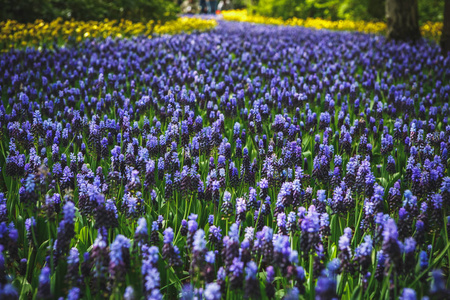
{"x": 247, "y": 161}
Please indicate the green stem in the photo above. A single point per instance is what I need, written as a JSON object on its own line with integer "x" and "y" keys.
{"x": 438, "y": 258}
{"x": 311, "y": 279}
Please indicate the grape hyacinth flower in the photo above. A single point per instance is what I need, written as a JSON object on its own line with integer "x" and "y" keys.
{"x": 129, "y": 293}
{"x": 211, "y": 220}
{"x": 438, "y": 286}
{"x": 212, "y": 291}
{"x": 151, "y": 277}
{"x": 66, "y": 230}
{"x": 119, "y": 258}
{"x": 390, "y": 168}
{"x": 363, "y": 254}
{"x": 310, "y": 227}
{"x": 326, "y": 288}
{"x": 215, "y": 237}
{"x": 408, "y": 294}
{"x": 3, "y": 208}
{"x": 423, "y": 260}
{"x": 210, "y": 259}
{"x": 227, "y": 208}
{"x": 192, "y": 228}
{"x": 8, "y": 292}
{"x": 198, "y": 252}
{"x": 184, "y": 227}
{"x": 44, "y": 284}
{"x": 221, "y": 277}
{"x": 73, "y": 264}
{"x": 293, "y": 294}
{"x": 409, "y": 249}
{"x": 141, "y": 233}
{"x": 170, "y": 252}
{"x": 231, "y": 246}
{"x": 241, "y": 209}
{"x": 100, "y": 258}
{"x": 381, "y": 259}
{"x": 236, "y": 273}
{"x": 270, "y": 276}
{"x": 74, "y": 294}
{"x": 391, "y": 245}
{"x": 345, "y": 255}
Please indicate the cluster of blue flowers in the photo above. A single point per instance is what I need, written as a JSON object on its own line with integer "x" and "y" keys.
{"x": 250, "y": 160}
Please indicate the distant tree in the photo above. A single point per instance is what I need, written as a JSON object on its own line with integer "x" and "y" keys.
{"x": 402, "y": 18}
{"x": 135, "y": 10}
{"x": 445, "y": 37}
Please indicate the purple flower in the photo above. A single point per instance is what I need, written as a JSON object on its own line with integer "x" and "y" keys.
{"x": 119, "y": 256}
{"x": 150, "y": 274}
{"x": 211, "y": 220}
{"x": 74, "y": 294}
{"x": 311, "y": 221}
{"x": 410, "y": 245}
{"x": 44, "y": 284}
{"x": 152, "y": 279}
{"x": 129, "y": 293}
{"x": 215, "y": 235}
{"x": 7, "y": 291}
{"x": 212, "y": 291}
{"x": 236, "y": 273}
{"x": 66, "y": 230}
{"x": 325, "y": 288}
{"x": 168, "y": 236}
{"x": 192, "y": 223}
{"x": 199, "y": 241}
{"x": 390, "y": 164}
{"x": 241, "y": 209}
{"x": 310, "y": 227}
{"x": 3, "y": 208}
{"x": 293, "y": 294}
{"x": 438, "y": 286}
{"x": 344, "y": 241}
{"x": 210, "y": 257}
{"x": 281, "y": 222}
{"x": 169, "y": 251}
{"x": 423, "y": 260}
{"x": 187, "y": 292}
{"x": 365, "y": 249}
{"x": 408, "y": 294}
{"x": 391, "y": 245}
{"x": 141, "y": 232}
{"x": 270, "y": 274}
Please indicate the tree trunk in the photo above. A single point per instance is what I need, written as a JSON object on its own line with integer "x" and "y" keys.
{"x": 445, "y": 37}
{"x": 402, "y": 17}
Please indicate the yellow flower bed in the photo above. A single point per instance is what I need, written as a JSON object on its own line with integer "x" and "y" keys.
{"x": 14, "y": 34}
{"x": 429, "y": 29}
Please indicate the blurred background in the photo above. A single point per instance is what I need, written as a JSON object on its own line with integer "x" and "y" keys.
{"x": 144, "y": 10}
{"x": 356, "y": 10}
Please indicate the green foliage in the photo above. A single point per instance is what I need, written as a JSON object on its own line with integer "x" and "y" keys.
{"x": 23, "y": 10}
{"x": 431, "y": 10}
{"x": 291, "y": 8}
{"x": 238, "y": 4}
{"x": 362, "y": 10}
{"x": 327, "y": 9}
{"x": 368, "y": 10}
{"x": 134, "y": 10}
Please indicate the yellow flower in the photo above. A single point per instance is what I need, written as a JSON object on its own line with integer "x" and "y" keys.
{"x": 14, "y": 34}
{"x": 430, "y": 30}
